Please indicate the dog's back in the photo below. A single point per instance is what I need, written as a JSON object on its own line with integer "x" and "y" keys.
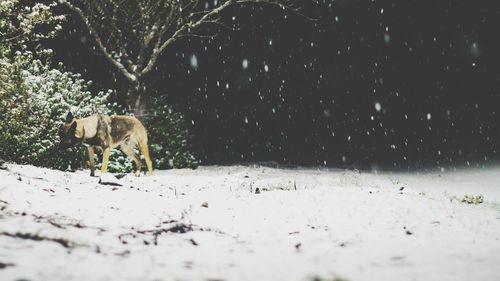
{"x": 125, "y": 129}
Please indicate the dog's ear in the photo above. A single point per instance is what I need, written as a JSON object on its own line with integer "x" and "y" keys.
{"x": 69, "y": 117}
{"x": 73, "y": 127}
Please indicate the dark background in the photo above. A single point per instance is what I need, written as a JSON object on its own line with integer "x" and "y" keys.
{"x": 395, "y": 84}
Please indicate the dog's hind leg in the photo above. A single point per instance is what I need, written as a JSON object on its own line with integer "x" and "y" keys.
{"x": 143, "y": 146}
{"x": 91, "y": 160}
{"x": 129, "y": 151}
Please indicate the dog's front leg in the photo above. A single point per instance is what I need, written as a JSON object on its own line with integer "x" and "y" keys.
{"x": 91, "y": 160}
{"x": 105, "y": 159}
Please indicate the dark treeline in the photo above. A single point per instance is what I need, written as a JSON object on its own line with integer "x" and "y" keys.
{"x": 387, "y": 83}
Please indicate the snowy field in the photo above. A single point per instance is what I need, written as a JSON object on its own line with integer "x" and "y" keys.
{"x": 249, "y": 223}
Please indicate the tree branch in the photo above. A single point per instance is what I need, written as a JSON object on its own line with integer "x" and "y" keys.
{"x": 155, "y": 25}
{"x": 280, "y": 5}
{"x": 117, "y": 34}
{"x": 120, "y": 67}
{"x": 187, "y": 26}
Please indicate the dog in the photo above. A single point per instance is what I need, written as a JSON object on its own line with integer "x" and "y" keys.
{"x": 107, "y": 132}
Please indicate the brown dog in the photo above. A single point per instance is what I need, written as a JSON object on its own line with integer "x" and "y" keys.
{"x": 107, "y": 132}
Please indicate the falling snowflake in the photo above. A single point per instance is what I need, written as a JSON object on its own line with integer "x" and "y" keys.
{"x": 245, "y": 63}
{"x": 194, "y": 62}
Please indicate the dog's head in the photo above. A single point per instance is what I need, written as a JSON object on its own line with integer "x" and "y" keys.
{"x": 67, "y": 132}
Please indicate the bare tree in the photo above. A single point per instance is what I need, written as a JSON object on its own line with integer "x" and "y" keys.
{"x": 132, "y": 34}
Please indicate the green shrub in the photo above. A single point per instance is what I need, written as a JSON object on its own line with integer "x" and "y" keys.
{"x": 169, "y": 140}
{"x": 471, "y": 199}
{"x": 33, "y": 100}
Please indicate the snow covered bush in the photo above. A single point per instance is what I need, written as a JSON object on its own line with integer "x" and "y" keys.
{"x": 33, "y": 100}
{"x": 24, "y": 23}
{"x": 169, "y": 140}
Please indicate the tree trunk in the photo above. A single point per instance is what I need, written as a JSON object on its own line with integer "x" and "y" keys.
{"x": 136, "y": 101}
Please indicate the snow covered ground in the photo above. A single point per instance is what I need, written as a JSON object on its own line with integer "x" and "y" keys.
{"x": 213, "y": 224}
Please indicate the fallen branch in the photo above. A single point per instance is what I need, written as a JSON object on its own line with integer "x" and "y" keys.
{"x": 178, "y": 227}
{"x": 4, "y": 265}
{"x": 35, "y": 237}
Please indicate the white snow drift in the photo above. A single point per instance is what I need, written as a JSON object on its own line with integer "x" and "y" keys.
{"x": 249, "y": 223}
